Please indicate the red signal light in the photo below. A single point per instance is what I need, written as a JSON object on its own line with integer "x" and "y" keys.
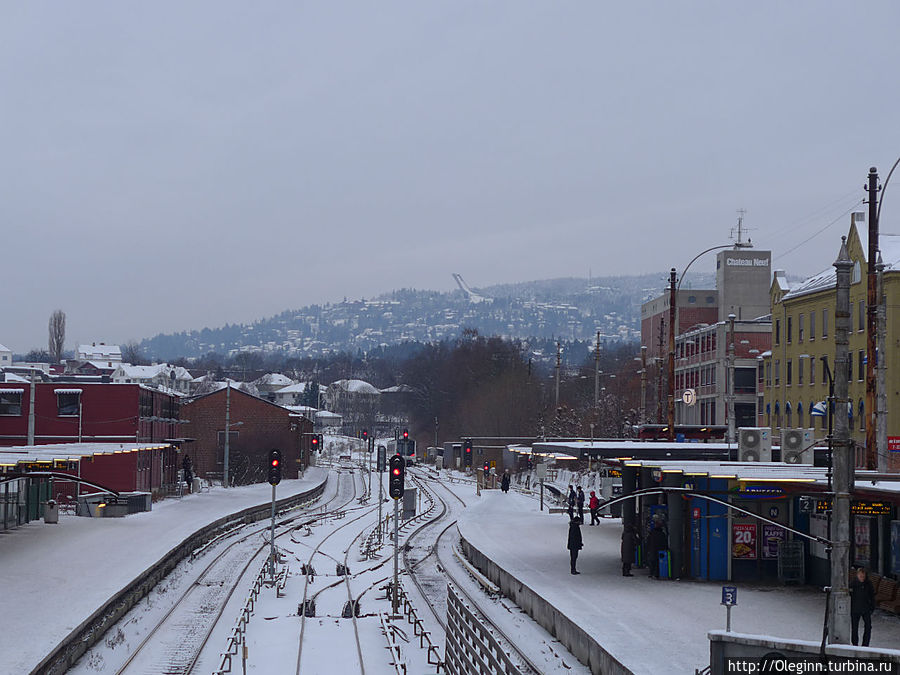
{"x": 274, "y": 462}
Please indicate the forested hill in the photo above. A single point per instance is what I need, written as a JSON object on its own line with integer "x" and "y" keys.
{"x": 570, "y": 308}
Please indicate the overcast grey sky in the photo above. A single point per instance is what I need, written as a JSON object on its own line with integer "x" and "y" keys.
{"x": 173, "y": 165}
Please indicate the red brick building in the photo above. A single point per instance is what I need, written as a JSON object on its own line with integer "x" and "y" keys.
{"x": 86, "y": 412}
{"x": 257, "y": 426}
{"x": 695, "y": 308}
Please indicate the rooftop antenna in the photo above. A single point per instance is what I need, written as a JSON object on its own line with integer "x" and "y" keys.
{"x": 738, "y": 231}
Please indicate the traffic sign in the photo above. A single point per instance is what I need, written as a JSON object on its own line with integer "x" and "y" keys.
{"x": 729, "y": 595}
{"x": 689, "y": 397}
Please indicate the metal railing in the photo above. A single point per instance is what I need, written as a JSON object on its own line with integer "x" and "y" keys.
{"x": 471, "y": 647}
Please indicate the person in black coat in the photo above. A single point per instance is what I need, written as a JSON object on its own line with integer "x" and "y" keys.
{"x": 575, "y": 544}
{"x": 570, "y": 500}
{"x": 656, "y": 542}
{"x": 504, "y": 482}
{"x": 629, "y": 542}
{"x": 579, "y": 498}
{"x": 862, "y": 604}
{"x": 187, "y": 467}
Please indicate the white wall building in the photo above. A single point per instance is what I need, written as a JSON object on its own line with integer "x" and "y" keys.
{"x": 160, "y": 376}
{"x": 99, "y": 351}
{"x": 5, "y": 356}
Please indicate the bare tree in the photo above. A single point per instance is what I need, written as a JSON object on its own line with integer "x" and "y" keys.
{"x": 131, "y": 353}
{"x": 57, "y": 334}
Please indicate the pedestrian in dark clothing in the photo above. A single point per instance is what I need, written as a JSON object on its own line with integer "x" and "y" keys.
{"x": 570, "y": 500}
{"x": 504, "y": 482}
{"x": 656, "y": 542}
{"x": 594, "y": 506}
{"x": 575, "y": 543}
{"x": 629, "y": 541}
{"x": 579, "y": 497}
{"x": 862, "y": 604}
{"x": 187, "y": 468}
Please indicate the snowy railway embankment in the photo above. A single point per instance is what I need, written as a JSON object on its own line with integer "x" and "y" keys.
{"x": 47, "y": 630}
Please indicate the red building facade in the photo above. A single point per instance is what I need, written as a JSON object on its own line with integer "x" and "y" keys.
{"x": 87, "y": 412}
{"x": 257, "y": 426}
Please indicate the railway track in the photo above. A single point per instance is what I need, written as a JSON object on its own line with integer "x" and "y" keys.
{"x": 173, "y": 645}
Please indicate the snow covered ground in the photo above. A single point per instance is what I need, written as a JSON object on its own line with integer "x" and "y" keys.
{"x": 55, "y": 576}
{"x": 651, "y": 626}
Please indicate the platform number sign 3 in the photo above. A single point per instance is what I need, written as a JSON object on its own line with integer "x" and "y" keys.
{"x": 729, "y": 595}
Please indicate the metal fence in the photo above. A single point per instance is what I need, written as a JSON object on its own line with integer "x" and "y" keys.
{"x": 471, "y": 648}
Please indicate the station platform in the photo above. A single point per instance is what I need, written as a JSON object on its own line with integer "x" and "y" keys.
{"x": 54, "y": 577}
{"x": 643, "y": 625}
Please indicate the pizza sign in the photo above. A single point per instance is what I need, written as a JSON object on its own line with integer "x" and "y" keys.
{"x": 743, "y": 541}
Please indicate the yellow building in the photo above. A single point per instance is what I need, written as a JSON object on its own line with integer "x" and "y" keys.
{"x": 795, "y": 376}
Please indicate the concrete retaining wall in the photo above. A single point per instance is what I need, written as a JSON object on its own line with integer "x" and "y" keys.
{"x": 70, "y": 649}
{"x": 584, "y": 647}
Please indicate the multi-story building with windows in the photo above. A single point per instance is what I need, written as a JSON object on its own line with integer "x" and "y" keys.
{"x": 797, "y": 369}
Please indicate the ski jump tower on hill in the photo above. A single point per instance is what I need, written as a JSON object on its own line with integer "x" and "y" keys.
{"x": 472, "y": 295}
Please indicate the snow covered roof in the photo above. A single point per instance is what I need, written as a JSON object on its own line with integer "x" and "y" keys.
{"x": 5, "y": 349}
{"x": 149, "y": 372}
{"x": 356, "y": 386}
{"x": 12, "y": 377}
{"x": 9, "y": 456}
{"x": 99, "y": 352}
{"x": 822, "y": 281}
{"x": 327, "y": 414}
{"x": 275, "y": 379}
{"x": 398, "y": 389}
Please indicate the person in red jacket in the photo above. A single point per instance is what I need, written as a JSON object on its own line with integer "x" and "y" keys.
{"x": 594, "y": 506}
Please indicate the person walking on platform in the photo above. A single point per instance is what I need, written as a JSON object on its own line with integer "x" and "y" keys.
{"x": 579, "y": 497}
{"x": 504, "y": 482}
{"x": 594, "y": 506}
{"x": 656, "y": 542}
{"x": 862, "y": 604}
{"x": 575, "y": 544}
{"x": 570, "y": 501}
{"x": 629, "y": 542}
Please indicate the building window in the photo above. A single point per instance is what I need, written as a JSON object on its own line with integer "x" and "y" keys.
{"x": 861, "y": 365}
{"x": 777, "y": 372}
{"x": 812, "y": 325}
{"x": 800, "y": 322}
{"x": 789, "y": 329}
{"x": 10, "y": 403}
{"x": 67, "y": 404}
{"x": 824, "y": 323}
{"x": 824, "y": 371}
{"x": 812, "y": 369}
{"x": 849, "y": 320}
{"x": 862, "y": 415}
{"x": 857, "y": 273}
{"x": 799, "y": 372}
{"x": 710, "y": 299}
{"x": 232, "y": 437}
{"x": 768, "y": 373}
{"x": 777, "y": 415}
{"x": 777, "y": 331}
{"x": 849, "y": 367}
{"x": 692, "y": 299}
{"x": 861, "y": 310}
{"x": 800, "y": 414}
{"x": 788, "y": 374}
{"x": 788, "y": 416}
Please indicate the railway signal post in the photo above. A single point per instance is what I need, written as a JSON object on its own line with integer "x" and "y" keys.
{"x": 395, "y": 490}
{"x": 380, "y": 465}
{"x": 274, "y": 479}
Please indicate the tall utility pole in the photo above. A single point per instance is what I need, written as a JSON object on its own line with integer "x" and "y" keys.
{"x": 839, "y": 608}
{"x": 731, "y": 420}
{"x": 643, "y": 419}
{"x": 31, "y": 410}
{"x": 881, "y": 375}
{"x": 871, "y": 322}
{"x": 671, "y": 369}
{"x": 227, "y": 432}
{"x": 558, "y": 364}
{"x": 597, "y": 372}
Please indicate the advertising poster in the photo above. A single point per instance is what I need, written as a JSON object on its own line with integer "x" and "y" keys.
{"x": 743, "y": 541}
{"x": 772, "y": 536}
{"x": 861, "y": 538}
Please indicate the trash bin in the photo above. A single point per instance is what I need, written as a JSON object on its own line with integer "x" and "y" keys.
{"x": 51, "y": 512}
{"x": 665, "y": 571}
{"x": 195, "y": 485}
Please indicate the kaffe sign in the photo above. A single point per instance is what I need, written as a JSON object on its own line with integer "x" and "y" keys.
{"x": 772, "y": 536}
{"x": 743, "y": 541}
